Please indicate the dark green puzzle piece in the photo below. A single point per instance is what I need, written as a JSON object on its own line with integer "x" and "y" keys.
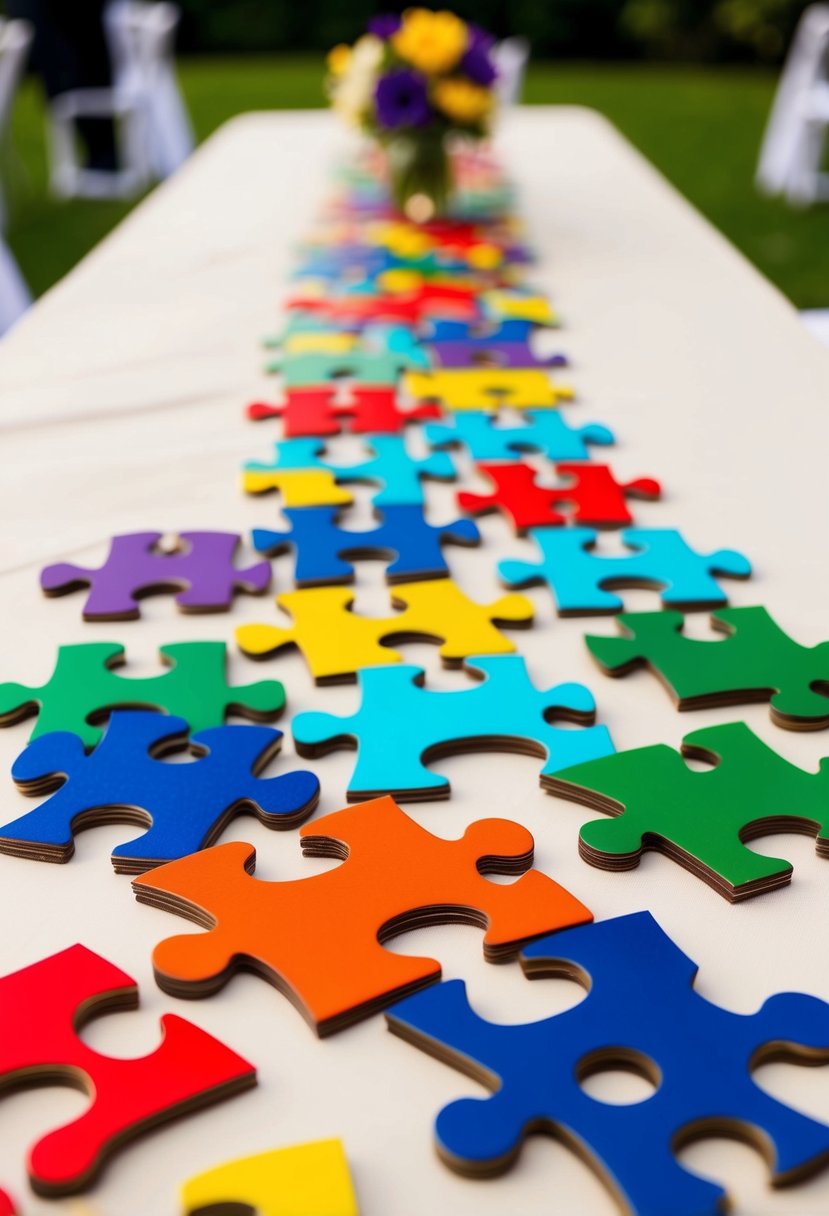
{"x": 700, "y": 819}
{"x": 84, "y": 687}
{"x": 756, "y": 661}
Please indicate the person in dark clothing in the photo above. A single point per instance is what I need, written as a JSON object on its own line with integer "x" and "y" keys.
{"x": 70, "y": 52}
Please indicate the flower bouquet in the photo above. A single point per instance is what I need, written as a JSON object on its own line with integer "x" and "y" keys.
{"x": 414, "y": 83}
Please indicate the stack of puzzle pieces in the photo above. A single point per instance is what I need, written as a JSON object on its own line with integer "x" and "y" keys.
{"x": 430, "y": 344}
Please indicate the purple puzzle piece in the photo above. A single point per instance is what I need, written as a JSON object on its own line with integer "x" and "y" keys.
{"x": 200, "y": 569}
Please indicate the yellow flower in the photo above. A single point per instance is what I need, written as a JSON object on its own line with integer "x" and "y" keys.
{"x": 461, "y": 100}
{"x": 430, "y": 42}
{"x": 339, "y": 57}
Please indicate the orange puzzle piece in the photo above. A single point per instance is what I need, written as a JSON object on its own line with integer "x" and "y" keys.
{"x": 42, "y": 1008}
{"x": 320, "y": 939}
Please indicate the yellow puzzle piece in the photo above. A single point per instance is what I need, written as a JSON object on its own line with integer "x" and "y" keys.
{"x": 328, "y": 342}
{"x": 304, "y": 1180}
{"x": 336, "y": 641}
{"x": 487, "y": 388}
{"x": 298, "y": 487}
{"x": 515, "y": 306}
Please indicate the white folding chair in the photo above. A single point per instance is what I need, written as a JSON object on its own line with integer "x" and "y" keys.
{"x": 792, "y": 149}
{"x": 14, "y": 294}
{"x": 152, "y": 124}
{"x": 169, "y": 133}
{"x": 15, "y": 40}
{"x": 511, "y": 58}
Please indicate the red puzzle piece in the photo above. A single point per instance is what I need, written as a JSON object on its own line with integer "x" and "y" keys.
{"x": 597, "y": 497}
{"x": 409, "y": 307}
{"x": 42, "y": 1009}
{"x": 7, "y": 1207}
{"x": 317, "y": 412}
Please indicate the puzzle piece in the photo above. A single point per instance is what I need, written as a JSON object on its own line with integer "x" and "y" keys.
{"x": 486, "y": 388}
{"x": 332, "y": 341}
{"x": 84, "y": 687}
{"x": 336, "y": 641}
{"x": 400, "y": 725}
{"x": 546, "y": 432}
{"x": 304, "y": 369}
{"x": 318, "y": 412}
{"x": 495, "y": 346}
{"x": 595, "y": 494}
{"x": 42, "y": 1009}
{"x": 183, "y": 807}
{"x": 507, "y": 329}
{"x": 757, "y": 661}
{"x": 700, "y": 819}
{"x": 640, "y": 1014}
{"x": 199, "y": 567}
{"x": 504, "y": 305}
{"x": 7, "y": 1207}
{"x": 389, "y": 466}
{"x": 409, "y": 307}
{"x": 303, "y": 1180}
{"x": 321, "y": 545}
{"x": 660, "y": 558}
{"x": 300, "y": 487}
{"x": 396, "y": 877}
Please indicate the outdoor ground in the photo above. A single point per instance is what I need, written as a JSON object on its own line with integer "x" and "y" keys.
{"x": 701, "y": 127}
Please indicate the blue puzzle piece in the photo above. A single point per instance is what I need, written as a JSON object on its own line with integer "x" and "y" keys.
{"x": 641, "y": 1013}
{"x": 183, "y": 807}
{"x": 322, "y": 547}
{"x": 390, "y": 466}
{"x": 661, "y": 558}
{"x": 546, "y": 432}
{"x": 507, "y": 329}
{"x": 400, "y": 724}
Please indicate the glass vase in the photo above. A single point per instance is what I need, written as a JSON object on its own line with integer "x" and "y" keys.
{"x": 420, "y": 175}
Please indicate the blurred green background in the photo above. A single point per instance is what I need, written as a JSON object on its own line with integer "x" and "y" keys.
{"x": 690, "y": 82}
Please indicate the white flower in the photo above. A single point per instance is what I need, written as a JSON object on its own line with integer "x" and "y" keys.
{"x": 353, "y": 92}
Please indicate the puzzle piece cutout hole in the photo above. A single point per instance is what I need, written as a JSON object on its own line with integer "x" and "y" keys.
{"x": 625, "y": 1079}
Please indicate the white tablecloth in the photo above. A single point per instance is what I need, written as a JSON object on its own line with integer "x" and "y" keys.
{"x": 121, "y": 401}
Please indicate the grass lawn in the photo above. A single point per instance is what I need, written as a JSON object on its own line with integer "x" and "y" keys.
{"x": 701, "y": 127}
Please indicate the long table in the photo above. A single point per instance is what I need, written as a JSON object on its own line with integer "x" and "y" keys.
{"x": 121, "y": 398}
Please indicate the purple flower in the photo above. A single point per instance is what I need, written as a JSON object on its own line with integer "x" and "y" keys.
{"x": 384, "y": 25}
{"x": 478, "y": 65}
{"x": 479, "y": 38}
{"x": 402, "y": 100}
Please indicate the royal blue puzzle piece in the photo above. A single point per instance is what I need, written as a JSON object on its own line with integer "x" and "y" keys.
{"x": 640, "y": 1011}
{"x": 546, "y": 432}
{"x": 322, "y": 548}
{"x": 186, "y": 804}
{"x": 389, "y": 466}
{"x": 400, "y": 724}
{"x": 507, "y": 329}
{"x": 660, "y": 558}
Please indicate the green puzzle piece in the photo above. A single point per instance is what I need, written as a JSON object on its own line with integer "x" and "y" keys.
{"x": 84, "y": 687}
{"x": 757, "y": 661}
{"x": 699, "y": 819}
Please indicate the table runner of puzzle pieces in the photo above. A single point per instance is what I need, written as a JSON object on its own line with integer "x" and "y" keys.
{"x": 431, "y": 345}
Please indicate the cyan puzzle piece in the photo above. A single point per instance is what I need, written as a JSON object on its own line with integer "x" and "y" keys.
{"x": 390, "y": 466}
{"x": 400, "y": 724}
{"x": 184, "y": 807}
{"x": 546, "y": 432}
{"x": 200, "y": 568}
{"x": 84, "y": 687}
{"x": 661, "y": 558}
{"x": 641, "y": 1014}
{"x": 322, "y": 547}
